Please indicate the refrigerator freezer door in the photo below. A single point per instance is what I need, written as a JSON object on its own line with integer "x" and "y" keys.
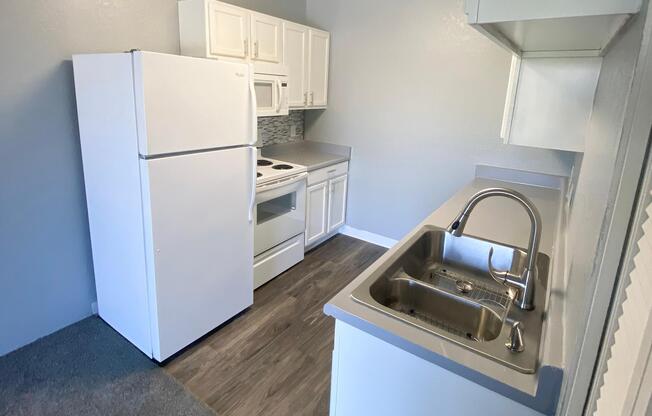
{"x": 186, "y": 104}
{"x": 199, "y": 243}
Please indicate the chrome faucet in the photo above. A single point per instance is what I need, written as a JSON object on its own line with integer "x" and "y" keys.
{"x": 523, "y": 284}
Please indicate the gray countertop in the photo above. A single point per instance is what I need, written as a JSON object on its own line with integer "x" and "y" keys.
{"x": 311, "y": 154}
{"x": 497, "y": 219}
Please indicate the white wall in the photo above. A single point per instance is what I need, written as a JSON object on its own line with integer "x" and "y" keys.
{"x": 419, "y": 95}
{"x": 46, "y": 275}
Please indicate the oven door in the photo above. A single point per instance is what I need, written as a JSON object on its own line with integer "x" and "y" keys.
{"x": 280, "y": 212}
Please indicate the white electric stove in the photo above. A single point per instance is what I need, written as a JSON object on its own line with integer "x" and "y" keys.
{"x": 272, "y": 170}
{"x": 279, "y": 218}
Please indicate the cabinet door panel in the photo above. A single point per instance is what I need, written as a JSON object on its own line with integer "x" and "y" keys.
{"x": 337, "y": 202}
{"x": 228, "y": 30}
{"x": 316, "y": 210}
{"x": 318, "y": 67}
{"x": 295, "y": 57}
{"x": 266, "y": 38}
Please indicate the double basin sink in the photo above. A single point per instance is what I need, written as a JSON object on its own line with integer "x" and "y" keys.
{"x": 441, "y": 283}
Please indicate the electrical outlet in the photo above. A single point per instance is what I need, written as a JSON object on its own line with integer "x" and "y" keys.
{"x": 94, "y": 308}
{"x": 293, "y": 130}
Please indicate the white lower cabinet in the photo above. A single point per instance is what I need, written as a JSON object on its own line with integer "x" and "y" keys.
{"x": 326, "y": 203}
{"x": 336, "y": 202}
{"x": 316, "y": 212}
{"x": 365, "y": 366}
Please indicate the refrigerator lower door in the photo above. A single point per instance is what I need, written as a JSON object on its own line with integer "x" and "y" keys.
{"x": 199, "y": 243}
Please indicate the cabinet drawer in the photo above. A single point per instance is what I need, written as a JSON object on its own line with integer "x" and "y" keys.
{"x": 327, "y": 173}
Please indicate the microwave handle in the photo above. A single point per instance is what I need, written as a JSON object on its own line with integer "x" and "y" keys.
{"x": 279, "y": 96}
{"x": 253, "y": 108}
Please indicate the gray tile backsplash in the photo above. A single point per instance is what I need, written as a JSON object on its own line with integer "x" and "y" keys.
{"x": 275, "y": 130}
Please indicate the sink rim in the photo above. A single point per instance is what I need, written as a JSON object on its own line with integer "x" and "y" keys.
{"x": 526, "y": 362}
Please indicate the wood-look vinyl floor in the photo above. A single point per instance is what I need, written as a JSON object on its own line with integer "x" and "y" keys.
{"x": 275, "y": 359}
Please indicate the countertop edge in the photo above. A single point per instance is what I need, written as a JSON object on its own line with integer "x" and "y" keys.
{"x": 311, "y": 154}
{"x": 331, "y": 162}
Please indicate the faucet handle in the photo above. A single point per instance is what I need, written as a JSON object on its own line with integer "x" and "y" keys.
{"x": 499, "y": 276}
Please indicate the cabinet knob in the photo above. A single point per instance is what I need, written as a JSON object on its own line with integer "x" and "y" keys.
{"x": 305, "y": 98}
{"x": 312, "y": 98}
{"x": 256, "y": 49}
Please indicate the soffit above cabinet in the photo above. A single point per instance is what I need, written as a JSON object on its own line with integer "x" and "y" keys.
{"x": 534, "y": 28}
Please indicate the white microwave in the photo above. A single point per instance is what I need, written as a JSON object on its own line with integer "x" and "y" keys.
{"x": 271, "y": 86}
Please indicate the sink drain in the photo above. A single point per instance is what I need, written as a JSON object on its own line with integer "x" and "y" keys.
{"x": 464, "y": 286}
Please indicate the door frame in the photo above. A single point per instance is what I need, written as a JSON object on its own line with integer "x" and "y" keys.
{"x": 634, "y": 142}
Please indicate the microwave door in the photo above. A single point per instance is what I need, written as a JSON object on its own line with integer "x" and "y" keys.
{"x": 266, "y": 97}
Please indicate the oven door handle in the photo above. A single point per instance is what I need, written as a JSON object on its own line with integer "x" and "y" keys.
{"x": 281, "y": 183}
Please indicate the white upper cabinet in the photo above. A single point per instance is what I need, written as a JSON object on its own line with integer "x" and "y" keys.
{"x": 228, "y": 29}
{"x": 213, "y": 29}
{"x": 266, "y": 38}
{"x": 551, "y": 28}
{"x": 318, "y": 53}
{"x": 306, "y": 52}
{"x": 295, "y": 58}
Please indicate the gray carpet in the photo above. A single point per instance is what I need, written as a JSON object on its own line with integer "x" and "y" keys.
{"x": 89, "y": 369}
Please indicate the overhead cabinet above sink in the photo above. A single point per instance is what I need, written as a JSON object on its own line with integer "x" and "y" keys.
{"x": 557, "y": 48}
{"x": 551, "y": 28}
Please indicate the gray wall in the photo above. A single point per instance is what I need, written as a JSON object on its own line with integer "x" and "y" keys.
{"x": 293, "y": 10}
{"x": 46, "y": 275}
{"x": 419, "y": 95}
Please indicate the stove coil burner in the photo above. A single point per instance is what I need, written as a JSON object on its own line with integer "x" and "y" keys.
{"x": 282, "y": 167}
{"x": 264, "y": 162}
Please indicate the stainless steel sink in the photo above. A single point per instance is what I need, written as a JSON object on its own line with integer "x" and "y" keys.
{"x": 441, "y": 284}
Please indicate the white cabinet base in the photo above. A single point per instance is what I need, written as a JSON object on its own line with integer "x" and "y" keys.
{"x": 316, "y": 212}
{"x": 373, "y": 377}
{"x": 337, "y": 202}
{"x": 326, "y": 204}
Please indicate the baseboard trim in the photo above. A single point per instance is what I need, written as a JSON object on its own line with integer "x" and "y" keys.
{"x": 367, "y": 236}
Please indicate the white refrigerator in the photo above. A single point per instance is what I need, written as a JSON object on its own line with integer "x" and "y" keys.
{"x": 169, "y": 164}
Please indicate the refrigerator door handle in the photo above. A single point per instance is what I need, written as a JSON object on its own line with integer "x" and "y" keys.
{"x": 252, "y": 196}
{"x": 254, "y": 107}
